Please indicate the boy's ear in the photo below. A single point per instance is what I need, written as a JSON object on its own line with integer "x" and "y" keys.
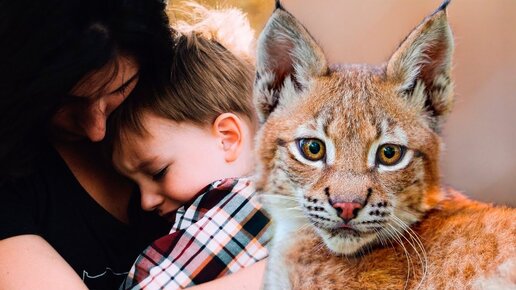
{"x": 421, "y": 67}
{"x": 288, "y": 58}
{"x": 228, "y": 127}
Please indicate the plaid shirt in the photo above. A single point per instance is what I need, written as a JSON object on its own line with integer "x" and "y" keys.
{"x": 220, "y": 232}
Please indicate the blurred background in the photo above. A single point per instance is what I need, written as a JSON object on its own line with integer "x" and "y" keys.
{"x": 480, "y": 133}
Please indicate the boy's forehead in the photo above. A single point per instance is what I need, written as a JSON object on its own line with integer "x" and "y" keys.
{"x": 137, "y": 149}
{"x": 130, "y": 151}
{"x": 134, "y": 142}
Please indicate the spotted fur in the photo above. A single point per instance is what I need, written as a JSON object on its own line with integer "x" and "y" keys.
{"x": 409, "y": 232}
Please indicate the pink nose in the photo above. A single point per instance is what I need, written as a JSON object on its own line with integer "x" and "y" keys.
{"x": 347, "y": 210}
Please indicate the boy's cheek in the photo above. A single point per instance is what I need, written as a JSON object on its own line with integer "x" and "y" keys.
{"x": 183, "y": 186}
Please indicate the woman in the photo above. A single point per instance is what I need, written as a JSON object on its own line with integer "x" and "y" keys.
{"x": 67, "y": 220}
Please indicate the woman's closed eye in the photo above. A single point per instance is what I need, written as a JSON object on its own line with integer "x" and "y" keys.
{"x": 123, "y": 88}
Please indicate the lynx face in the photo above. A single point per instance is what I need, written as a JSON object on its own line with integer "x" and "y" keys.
{"x": 351, "y": 150}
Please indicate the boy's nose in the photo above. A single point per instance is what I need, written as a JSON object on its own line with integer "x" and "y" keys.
{"x": 150, "y": 200}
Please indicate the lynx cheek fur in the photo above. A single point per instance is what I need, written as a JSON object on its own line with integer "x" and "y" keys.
{"x": 348, "y": 169}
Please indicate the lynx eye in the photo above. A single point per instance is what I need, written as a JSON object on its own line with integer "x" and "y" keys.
{"x": 312, "y": 149}
{"x": 389, "y": 154}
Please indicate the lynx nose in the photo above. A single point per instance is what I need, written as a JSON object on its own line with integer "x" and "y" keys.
{"x": 347, "y": 210}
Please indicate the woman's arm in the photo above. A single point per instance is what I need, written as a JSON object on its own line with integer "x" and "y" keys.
{"x": 246, "y": 279}
{"x": 29, "y": 262}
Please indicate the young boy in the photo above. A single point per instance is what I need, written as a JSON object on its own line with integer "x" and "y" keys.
{"x": 187, "y": 149}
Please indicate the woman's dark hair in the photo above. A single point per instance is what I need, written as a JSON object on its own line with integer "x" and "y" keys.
{"x": 48, "y": 46}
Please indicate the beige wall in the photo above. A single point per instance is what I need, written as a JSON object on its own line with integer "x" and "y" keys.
{"x": 480, "y": 135}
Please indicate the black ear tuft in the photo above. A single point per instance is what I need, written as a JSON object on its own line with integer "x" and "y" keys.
{"x": 278, "y": 5}
{"x": 443, "y": 6}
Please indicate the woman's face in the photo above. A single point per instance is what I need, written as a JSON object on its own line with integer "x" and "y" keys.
{"x": 83, "y": 114}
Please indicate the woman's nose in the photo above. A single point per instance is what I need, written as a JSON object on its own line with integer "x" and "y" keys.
{"x": 94, "y": 121}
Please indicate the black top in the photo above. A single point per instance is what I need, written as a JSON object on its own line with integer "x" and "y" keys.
{"x": 52, "y": 204}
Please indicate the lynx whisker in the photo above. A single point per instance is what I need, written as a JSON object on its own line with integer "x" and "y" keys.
{"x": 278, "y": 196}
{"x": 411, "y": 242}
{"x": 415, "y": 239}
{"x": 293, "y": 208}
{"x": 380, "y": 237}
{"x": 415, "y": 236}
{"x": 320, "y": 246}
{"x": 410, "y": 265}
{"x": 301, "y": 228}
{"x": 386, "y": 237}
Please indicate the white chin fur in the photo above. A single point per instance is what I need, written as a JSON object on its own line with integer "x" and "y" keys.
{"x": 344, "y": 246}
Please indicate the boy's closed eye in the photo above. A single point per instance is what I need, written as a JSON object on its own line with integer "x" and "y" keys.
{"x": 160, "y": 174}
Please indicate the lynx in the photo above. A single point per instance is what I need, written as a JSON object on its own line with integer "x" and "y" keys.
{"x": 349, "y": 170}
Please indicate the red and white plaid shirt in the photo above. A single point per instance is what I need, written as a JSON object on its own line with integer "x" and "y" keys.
{"x": 220, "y": 232}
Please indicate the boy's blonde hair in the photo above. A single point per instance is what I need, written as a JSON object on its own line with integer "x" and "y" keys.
{"x": 211, "y": 74}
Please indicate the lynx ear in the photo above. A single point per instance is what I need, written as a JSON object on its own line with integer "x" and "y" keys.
{"x": 422, "y": 67}
{"x": 288, "y": 58}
